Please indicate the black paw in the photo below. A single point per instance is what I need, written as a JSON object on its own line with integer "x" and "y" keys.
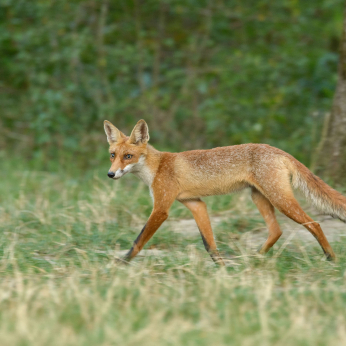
{"x": 330, "y": 258}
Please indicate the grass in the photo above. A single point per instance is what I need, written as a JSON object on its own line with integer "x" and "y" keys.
{"x": 59, "y": 284}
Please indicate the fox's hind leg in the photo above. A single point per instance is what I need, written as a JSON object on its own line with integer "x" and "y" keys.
{"x": 267, "y": 211}
{"x": 200, "y": 214}
{"x": 281, "y": 196}
{"x": 297, "y": 214}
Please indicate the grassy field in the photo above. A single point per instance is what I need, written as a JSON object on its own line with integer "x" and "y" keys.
{"x": 60, "y": 286}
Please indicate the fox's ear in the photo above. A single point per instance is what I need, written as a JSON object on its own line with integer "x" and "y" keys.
{"x": 140, "y": 133}
{"x": 113, "y": 134}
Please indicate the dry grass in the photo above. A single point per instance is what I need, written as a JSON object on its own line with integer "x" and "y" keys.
{"x": 59, "y": 284}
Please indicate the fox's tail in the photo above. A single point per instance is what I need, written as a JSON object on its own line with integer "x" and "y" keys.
{"x": 322, "y": 196}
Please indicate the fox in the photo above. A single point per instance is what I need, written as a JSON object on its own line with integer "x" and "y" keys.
{"x": 270, "y": 173}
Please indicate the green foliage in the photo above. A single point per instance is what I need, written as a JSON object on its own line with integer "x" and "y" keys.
{"x": 202, "y": 73}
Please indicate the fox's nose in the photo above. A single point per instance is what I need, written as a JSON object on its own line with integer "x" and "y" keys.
{"x": 111, "y": 174}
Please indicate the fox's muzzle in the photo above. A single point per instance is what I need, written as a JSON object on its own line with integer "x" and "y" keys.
{"x": 119, "y": 173}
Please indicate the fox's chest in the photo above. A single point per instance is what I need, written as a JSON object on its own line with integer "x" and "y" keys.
{"x": 145, "y": 175}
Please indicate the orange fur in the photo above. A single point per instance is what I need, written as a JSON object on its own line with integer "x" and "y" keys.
{"x": 190, "y": 175}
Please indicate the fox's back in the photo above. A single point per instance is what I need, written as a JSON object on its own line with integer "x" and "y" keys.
{"x": 225, "y": 169}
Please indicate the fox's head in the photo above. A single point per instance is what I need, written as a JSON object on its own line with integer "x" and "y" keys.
{"x": 126, "y": 153}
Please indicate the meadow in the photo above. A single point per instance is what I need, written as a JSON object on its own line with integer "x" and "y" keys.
{"x": 60, "y": 285}
{"x": 202, "y": 74}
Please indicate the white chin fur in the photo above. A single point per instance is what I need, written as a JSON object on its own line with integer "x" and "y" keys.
{"x": 120, "y": 172}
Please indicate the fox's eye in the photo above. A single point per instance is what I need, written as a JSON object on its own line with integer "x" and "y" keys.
{"x": 127, "y": 156}
{"x": 112, "y": 155}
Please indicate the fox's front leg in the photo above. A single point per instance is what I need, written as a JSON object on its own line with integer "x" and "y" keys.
{"x": 163, "y": 199}
{"x": 164, "y": 192}
{"x": 155, "y": 220}
{"x": 200, "y": 213}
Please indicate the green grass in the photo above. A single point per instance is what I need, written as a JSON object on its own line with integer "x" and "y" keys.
{"x": 60, "y": 286}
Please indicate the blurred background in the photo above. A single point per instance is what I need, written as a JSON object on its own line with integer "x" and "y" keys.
{"x": 201, "y": 73}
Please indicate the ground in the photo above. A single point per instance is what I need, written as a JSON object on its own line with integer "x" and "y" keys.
{"x": 60, "y": 284}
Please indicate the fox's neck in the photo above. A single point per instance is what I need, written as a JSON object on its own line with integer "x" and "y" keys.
{"x": 147, "y": 166}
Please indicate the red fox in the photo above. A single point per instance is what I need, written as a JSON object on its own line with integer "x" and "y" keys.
{"x": 269, "y": 172}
